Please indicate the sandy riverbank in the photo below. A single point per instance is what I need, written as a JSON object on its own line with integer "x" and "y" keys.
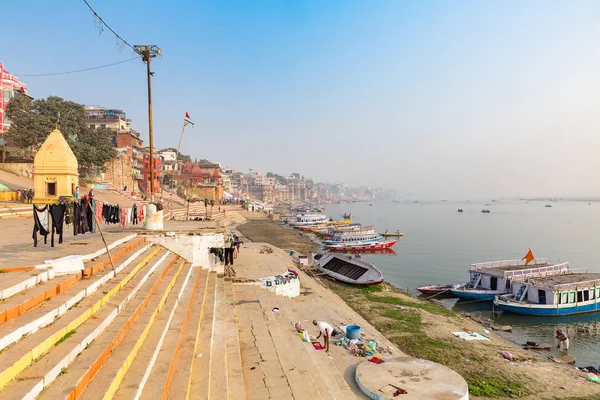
{"x": 423, "y": 329}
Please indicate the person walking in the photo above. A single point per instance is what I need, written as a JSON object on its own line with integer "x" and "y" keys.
{"x": 563, "y": 340}
{"x": 30, "y": 196}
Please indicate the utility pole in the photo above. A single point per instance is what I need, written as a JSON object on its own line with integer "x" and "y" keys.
{"x": 148, "y": 52}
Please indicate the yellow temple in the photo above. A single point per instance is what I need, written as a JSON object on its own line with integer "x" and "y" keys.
{"x": 55, "y": 170}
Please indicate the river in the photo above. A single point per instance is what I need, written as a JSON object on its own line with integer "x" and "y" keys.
{"x": 440, "y": 244}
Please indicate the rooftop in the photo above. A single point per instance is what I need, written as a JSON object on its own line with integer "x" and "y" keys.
{"x": 567, "y": 279}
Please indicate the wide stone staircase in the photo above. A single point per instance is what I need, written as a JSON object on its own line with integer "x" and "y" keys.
{"x": 159, "y": 328}
{"x": 155, "y": 327}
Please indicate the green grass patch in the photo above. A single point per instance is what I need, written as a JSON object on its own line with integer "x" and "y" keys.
{"x": 423, "y": 305}
{"x": 496, "y": 387}
{"x": 67, "y": 335}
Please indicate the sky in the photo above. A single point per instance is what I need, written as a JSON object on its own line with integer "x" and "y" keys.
{"x": 442, "y": 99}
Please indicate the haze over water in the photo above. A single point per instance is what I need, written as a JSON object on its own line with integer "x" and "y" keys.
{"x": 440, "y": 244}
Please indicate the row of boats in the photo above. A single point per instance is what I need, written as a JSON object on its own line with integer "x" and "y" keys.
{"x": 342, "y": 235}
{"x": 530, "y": 286}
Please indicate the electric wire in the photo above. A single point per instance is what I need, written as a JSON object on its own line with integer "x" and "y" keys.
{"x": 106, "y": 25}
{"x": 79, "y": 70}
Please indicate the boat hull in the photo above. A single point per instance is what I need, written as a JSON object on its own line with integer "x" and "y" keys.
{"x": 545, "y": 310}
{"x": 476, "y": 294}
{"x": 365, "y": 247}
{"x": 433, "y": 289}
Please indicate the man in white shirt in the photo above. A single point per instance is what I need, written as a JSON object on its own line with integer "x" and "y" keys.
{"x": 326, "y": 330}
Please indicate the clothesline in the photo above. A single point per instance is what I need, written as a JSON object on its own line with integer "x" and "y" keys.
{"x": 50, "y": 218}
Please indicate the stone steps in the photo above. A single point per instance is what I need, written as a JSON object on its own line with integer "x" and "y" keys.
{"x": 235, "y": 375}
{"x": 122, "y": 357}
{"x": 44, "y": 371}
{"x": 44, "y": 311}
{"x": 74, "y": 314}
{"x": 199, "y": 379}
{"x": 151, "y": 373}
{"x": 288, "y": 367}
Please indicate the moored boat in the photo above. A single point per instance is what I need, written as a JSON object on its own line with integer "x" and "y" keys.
{"x": 352, "y": 237}
{"x": 361, "y": 246}
{"x": 309, "y": 220}
{"x": 495, "y": 278}
{"x": 397, "y": 234}
{"x": 434, "y": 289}
{"x": 348, "y": 269}
{"x": 347, "y": 216}
{"x": 566, "y": 294}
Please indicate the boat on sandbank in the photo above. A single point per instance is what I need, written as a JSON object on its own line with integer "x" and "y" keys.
{"x": 348, "y": 269}
{"x": 434, "y": 289}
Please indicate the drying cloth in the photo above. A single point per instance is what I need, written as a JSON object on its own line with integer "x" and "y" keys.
{"x": 123, "y": 218}
{"x": 141, "y": 215}
{"x": 69, "y": 213}
{"x": 470, "y": 336}
{"x": 40, "y": 224}
{"x": 57, "y": 212}
{"x": 134, "y": 220}
{"x": 99, "y": 211}
{"x": 129, "y": 214}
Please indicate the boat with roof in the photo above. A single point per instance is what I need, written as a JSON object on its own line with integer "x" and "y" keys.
{"x": 348, "y": 269}
{"x": 495, "y": 278}
{"x": 308, "y": 219}
{"x": 566, "y": 294}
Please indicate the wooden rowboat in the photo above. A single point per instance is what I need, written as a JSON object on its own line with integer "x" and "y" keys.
{"x": 434, "y": 289}
{"x": 392, "y": 234}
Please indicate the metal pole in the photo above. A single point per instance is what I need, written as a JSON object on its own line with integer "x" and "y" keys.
{"x": 148, "y": 57}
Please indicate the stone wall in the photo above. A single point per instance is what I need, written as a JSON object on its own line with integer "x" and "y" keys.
{"x": 118, "y": 172}
{"x": 23, "y": 169}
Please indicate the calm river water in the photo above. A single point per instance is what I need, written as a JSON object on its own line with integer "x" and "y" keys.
{"x": 440, "y": 244}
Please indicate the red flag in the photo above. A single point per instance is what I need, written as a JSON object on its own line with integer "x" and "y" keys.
{"x": 187, "y": 116}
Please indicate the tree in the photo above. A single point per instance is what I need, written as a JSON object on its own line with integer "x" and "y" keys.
{"x": 32, "y": 121}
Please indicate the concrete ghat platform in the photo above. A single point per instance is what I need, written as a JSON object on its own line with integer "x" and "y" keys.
{"x": 422, "y": 379}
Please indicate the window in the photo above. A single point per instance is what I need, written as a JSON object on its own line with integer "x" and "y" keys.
{"x": 93, "y": 126}
{"x": 564, "y": 298}
{"x": 494, "y": 283}
{"x": 102, "y": 125}
{"x": 571, "y": 297}
{"x": 541, "y": 296}
{"x": 592, "y": 294}
{"x": 507, "y": 284}
{"x": 579, "y": 296}
{"x": 586, "y": 295}
{"x": 51, "y": 188}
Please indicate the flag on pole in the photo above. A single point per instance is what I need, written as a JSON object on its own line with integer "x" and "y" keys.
{"x": 187, "y": 116}
{"x": 528, "y": 257}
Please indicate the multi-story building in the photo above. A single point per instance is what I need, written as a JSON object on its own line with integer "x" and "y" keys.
{"x": 10, "y": 86}
{"x": 111, "y": 118}
{"x": 203, "y": 179}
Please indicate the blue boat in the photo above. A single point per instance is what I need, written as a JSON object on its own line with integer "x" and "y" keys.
{"x": 495, "y": 278}
{"x": 568, "y": 294}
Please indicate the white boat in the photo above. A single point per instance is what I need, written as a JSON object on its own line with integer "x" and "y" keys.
{"x": 309, "y": 219}
{"x": 354, "y": 237}
{"x": 348, "y": 269}
{"x": 495, "y": 278}
{"x": 566, "y": 294}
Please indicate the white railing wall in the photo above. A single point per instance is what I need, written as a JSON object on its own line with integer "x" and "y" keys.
{"x": 507, "y": 263}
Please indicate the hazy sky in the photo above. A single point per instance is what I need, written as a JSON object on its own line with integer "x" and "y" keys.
{"x": 440, "y": 98}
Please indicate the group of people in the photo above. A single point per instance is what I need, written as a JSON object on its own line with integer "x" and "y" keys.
{"x": 26, "y": 196}
{"x": 232, "y": 249}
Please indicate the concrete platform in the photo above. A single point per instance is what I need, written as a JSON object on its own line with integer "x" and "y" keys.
{"x": 421, "y": 379}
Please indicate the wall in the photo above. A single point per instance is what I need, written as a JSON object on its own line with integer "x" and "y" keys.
{"x": 23, "y": 169}
{"x": 193, "y": 248}
{"x": 118, "y": 172}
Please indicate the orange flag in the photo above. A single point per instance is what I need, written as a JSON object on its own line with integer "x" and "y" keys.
{"x": 528, "y": 257}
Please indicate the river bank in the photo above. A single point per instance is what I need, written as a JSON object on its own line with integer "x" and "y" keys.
{"x": 423, "y": 329}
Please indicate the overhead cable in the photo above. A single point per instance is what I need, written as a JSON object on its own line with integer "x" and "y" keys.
{"x": 79, "y": 70}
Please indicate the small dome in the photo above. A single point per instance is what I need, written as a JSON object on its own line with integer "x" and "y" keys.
{"x": 55, "y": 155}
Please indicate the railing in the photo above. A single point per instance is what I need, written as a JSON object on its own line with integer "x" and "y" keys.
{"x": 539, "y": 271}
{"x": 506, "y": 263}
